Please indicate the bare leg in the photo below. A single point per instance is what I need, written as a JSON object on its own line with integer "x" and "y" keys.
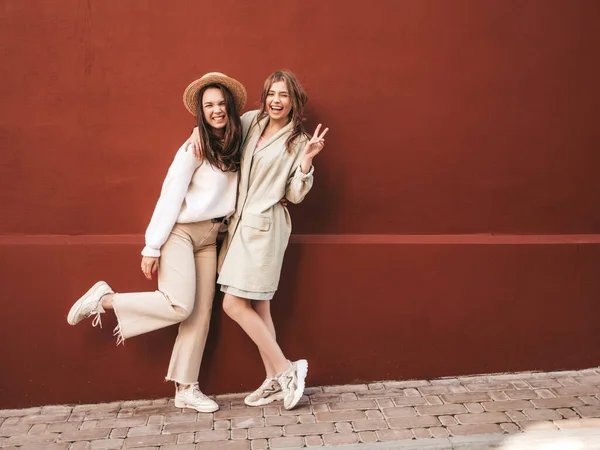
{"x": 107, "y": 301}
{"x": 263, "y": 309}
{"x": 240, "y": 310}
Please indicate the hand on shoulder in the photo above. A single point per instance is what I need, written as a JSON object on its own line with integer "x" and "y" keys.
{"x": 194, "y": 144}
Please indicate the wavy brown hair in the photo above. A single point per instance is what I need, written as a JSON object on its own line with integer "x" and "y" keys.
{"x": 225, "y": 153}
{"x": 297, "y": 96}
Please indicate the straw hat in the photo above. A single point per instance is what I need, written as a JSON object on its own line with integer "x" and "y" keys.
{"x": 190, "y": 95}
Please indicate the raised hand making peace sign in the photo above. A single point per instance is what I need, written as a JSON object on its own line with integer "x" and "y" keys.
{"x": 313, "y": 148}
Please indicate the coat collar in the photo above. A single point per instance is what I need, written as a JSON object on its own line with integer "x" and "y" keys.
{"x": 257, "y": 132}
{"x": 250, "y": 146}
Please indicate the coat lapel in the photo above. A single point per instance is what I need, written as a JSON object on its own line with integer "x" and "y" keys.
{"x": 250, "y": 149}
{"x": 248, "y": 152}
{"x": 279, "y": 135}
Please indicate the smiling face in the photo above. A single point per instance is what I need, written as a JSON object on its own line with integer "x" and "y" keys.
{"x": 278, "y": 102}
{"x": 214, "y": 109}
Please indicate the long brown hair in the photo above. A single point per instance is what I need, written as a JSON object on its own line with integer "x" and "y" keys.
{"x": 297, "y": 96}
{"x": 224, "y": 154}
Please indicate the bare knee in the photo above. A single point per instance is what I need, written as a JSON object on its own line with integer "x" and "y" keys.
{"x": 234, "y": 306}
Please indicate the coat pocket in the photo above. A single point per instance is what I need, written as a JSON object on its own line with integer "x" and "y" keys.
{"x": 261, "y": 223}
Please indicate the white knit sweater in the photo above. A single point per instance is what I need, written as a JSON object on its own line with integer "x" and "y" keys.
{"x": 193, "y": 191}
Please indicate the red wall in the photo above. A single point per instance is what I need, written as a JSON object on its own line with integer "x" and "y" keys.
{"x": 449, "y": 120}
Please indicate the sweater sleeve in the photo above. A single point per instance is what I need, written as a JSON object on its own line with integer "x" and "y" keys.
{"x": 171, "y": 198}
{"x": 298, "y": 183}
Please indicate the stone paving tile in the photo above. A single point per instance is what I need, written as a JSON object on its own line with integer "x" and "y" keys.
{"x": 486, "y": 417}
{"x": 559, "y": 402}
{"x": 139, "y": 441}
{"x": 305, "y": 429}
{"x": 19, "y": 412}
{"x": 409, "y": 401}
{"x": 265, "y": 432}
{"x": 466, "y": 397}
{"x": 353, "y": 405}
{"x": 589, "y": 400}
{"x": 309, "y": 418}
{"x": 380, "y": 411}
{"x": 550, "y": 383}
{"x": 223, "y": 445}
{"x": 187, "y": 427}
{"x": 214, "y": 435}
{"x": 263, "y": 444}
{"x": 421, "y": 433}
{"x": 480, "y": 428}
{"x": 521, "y": 394}
{"x": 434, "y": 400}
{"x": 403, "y": 411}
{"x": 441, "y": 410}
{"x": 545, "y": 393}
{"x": 287, "y": 442}
{"x": 349, "y": 397}
{"x": 447, "y": 420}
{"x": 538, "y": 425}
{"x": 507, "y": 405}
{"x": 352, "y": 388}
{"x": 542, "y": 414}
{"x": 367, "y": 437}
{"x": 414, "y": 422}
{"x": 474, "y": 407}
{"x": 568, "y": 413}
{"x": 381, "y": 393}
{"x": 394, "y": 435}
{"x": 313, "y": 441}
{"x": 439, "y": 432}
{"x": 280, "y": 420}
{"x": 406, "y": 384}
{"x": 570, "y": 424}
{"x": 510, "y": 428}
{"x": 247, "y": 422}
{"x": 370, "y": 425}
{"x": 340, "y": 438}
{"x": 583, "y": 411}
{"x": 340, "y": 416}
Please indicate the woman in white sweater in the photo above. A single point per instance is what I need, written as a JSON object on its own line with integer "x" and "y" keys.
{"x": 197, "y": 194}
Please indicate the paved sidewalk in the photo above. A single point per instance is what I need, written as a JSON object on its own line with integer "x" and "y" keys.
{"x": 407, "y": 413}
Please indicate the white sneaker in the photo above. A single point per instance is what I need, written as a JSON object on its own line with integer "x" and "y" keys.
{"x": 268, "y": 392}
{"x": 89, "y": 304}
{"x": 192, "y": 397}
{"x": 292, "y": 383}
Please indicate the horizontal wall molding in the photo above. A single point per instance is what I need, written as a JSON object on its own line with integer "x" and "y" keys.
{"x": 370, "y": 239}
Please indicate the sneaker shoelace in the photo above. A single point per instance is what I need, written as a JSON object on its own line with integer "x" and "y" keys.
{"x": 285, "y": 380}
{"x": 97, "y": 320}
{"x": 265, "y": 384}
{"x": 96, "y": 311}
{"x": 197, "y": 393}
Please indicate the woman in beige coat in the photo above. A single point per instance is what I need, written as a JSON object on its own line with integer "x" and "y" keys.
{"x": 276, "y": 163}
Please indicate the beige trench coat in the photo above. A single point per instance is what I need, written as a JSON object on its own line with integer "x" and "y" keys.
{"x": 259, "y": 230}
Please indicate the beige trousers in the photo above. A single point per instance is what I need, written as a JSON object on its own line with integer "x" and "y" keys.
{"x": 186, "y": 288}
